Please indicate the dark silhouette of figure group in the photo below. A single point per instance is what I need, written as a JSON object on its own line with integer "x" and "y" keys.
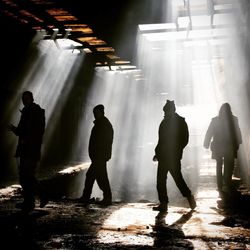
{"x": 173, "y": 137}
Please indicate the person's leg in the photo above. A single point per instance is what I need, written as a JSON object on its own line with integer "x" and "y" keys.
{"x": 162, "y": 172}
{"x": 219, "y": 177}
{"x": 161, "y": 186}
{"x": 89, "y": 182}
{"x": 175, "y": 171}
{"x": 43, "y": 194}
{"x": 103, "y": 182}
{"x": 28, "y": 182}
{"x": 228, "y": 170}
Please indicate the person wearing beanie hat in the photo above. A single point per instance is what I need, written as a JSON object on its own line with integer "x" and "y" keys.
{"x": 100, "y": 149}
{"x": 97, "y": 108}
{"x": 169, "y": 106}
{"x": 173, "y": 137}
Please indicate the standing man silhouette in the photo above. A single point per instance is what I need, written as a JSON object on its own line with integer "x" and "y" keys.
{"x": 173, "y": 137}
{"x": 100, "y": 150}
{"x": 29, "y": 130}
{"x": 224, "y": 137}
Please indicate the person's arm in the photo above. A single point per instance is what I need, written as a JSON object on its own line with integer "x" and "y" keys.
{"x": 157, "y": 148}
{"x": 108, "y": 140}
{"x": 185, "y": 134}
{"x": 12, "y": 128}
{"x": 238, "y": 132}
{"x": 208, "y": 136}
{"x": 17, "y": 130}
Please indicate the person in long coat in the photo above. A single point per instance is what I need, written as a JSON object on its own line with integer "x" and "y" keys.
{"x": 30, "y": 131}
{"x": 173, "y": 137}
{"x": 223, "y": 136}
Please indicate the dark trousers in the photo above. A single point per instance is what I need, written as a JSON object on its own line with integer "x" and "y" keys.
{"x": 97, "y": 172}
{"x": 174, "y": 167}
{"x": 225, "y": 178}
{"x": 27, "y": 179}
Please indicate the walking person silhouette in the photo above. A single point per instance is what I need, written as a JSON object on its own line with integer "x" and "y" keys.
{"x": 173, "y": 137}
{"x": 223, "y": 136}
{"x": 100, "y": 151}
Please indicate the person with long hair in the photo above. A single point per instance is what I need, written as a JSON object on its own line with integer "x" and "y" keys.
{"x": 223, "y": 136}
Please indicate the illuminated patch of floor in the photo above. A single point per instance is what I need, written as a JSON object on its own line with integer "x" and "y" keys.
{"x": 130, "y": 224}
{"x": 8, "y": 192}
{"x": 134, "y": 224}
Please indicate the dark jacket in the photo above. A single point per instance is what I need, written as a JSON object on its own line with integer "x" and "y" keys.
{"x": 223, "y": 136}
{"x": 101, "y": 139}
{"x": 30, "y": 131}
{"x": 173, "y": 137}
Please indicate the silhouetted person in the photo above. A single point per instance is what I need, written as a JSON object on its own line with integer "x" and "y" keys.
{"x": 29, "y": 130}
{"x": 173, "y": 137}
{"x": 224, "y": 137}
{"x": 100, "y": 150}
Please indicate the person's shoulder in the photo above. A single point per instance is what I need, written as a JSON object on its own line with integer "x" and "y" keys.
{"x": 163, "y": 122}
{"x": 181, "y": 118}
{"x": 107, "y": 124}
{"x": 235, "y": 119}
{"x": 37, "y": 109}
{"x": 215, "y": 119}
{"x": 106, "y": 120}
{"x": 35, "y": 106}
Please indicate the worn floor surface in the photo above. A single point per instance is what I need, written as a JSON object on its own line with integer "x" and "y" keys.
{"x": 218, "y": 222}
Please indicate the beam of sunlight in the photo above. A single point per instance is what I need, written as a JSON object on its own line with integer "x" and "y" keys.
{"x": 49, "y": 72}
{"x": 177, "y": 65}
{"x": 192, "y": 67}
{"x": 48, "y": 76}
{"x": 119, "y": 91}
{"x": 199, "y": 69}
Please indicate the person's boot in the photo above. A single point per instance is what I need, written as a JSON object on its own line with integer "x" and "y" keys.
{"x": 191, "y": 201}
{"x": 26, "y": 207}
{"x": 162, "y": 207}
{"x": 44, "y": 200}
{"x": 85, "y": 202}
{"x": 105, "y": 202}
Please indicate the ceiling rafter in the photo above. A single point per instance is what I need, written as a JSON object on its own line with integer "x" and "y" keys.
{"x": 52, "y": 17}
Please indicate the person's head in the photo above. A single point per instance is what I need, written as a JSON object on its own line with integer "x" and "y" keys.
{"x": 27, "y": 98}
{"x": 225, "y": 110}
{"x": 169, "y": 107}
{"x": 98, "y": 111}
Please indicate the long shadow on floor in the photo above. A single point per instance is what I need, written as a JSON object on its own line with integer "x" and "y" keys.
{"x": 172, "y": 235}
{"x": 234, "y": 206}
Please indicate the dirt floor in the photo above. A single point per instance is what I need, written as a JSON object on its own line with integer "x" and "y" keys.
{"x": 218, "y": 222}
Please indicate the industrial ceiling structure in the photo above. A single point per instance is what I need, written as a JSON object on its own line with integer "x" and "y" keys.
{"x": 53, "y": 20}
{"x": 100, "y": 27}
